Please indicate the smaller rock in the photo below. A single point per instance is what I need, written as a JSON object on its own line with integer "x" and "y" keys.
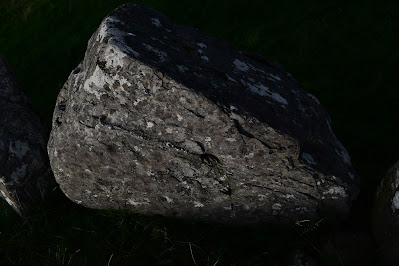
{"x": 386, "y": 217}
{"x": 25, "y": 173}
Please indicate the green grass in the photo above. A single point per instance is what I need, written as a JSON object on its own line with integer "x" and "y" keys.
{"x": 344, "y": 52}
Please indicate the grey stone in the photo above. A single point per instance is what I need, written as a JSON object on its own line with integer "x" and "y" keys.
{"x": 163, "y": 119}
{"x": 25, "y": 173}
{"x": 386, "y": 217}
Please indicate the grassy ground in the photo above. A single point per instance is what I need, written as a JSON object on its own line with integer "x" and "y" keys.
{"x": 344, "y": 52}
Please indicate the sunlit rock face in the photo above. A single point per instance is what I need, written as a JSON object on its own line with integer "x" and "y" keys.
{"x": 25, "y": 173}
{"x": 163, "y": 119}
{"x": 386, "y": 217}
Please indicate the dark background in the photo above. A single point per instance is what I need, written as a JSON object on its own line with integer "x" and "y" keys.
{"x": 343, "y": 52}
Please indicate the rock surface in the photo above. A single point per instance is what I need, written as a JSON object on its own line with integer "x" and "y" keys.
{"x": 386, "y": 217}
{"x": 25, "y": 173}
{"x": 162, "y": 119}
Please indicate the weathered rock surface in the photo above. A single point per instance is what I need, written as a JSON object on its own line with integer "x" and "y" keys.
{"x": 386, "y": 217}
{"x": 25, "y": 173}
{"x": 162, "y": 119}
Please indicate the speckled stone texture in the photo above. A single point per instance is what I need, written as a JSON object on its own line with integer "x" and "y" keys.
{"x": 25, "y": 173}
{"x": 386, "y": 217}
{"x": 163, "y": 119}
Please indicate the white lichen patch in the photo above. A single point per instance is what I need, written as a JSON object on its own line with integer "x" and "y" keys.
{"x": 108, "y": 29}
{"x": 265, "y": 91}
{"x": 181, "y": 68}
{"x": 395, "y": 202}
{"x": 202, "y": 45}
{"x": 136, "y": 203}
{"x": 96, "y": 81}
{"x": 274, "y": 77}
{"x": 233, "y": 108}
{"x": 301, "y": 209}
{"x": 168, "y": 200}
{"x": 136, "y": 148}
{"x": 256, "y": 69}
{"x": 308, "y": 158}
{"x": 240, "y": 65}
{"x": 150, "y": 173}
{"x": 230, "y": 78}
{"x": 179, "y": 118}
{"x": 208, "y": 139}
{"x": 156, "y": 22}
{"x": 249, "y": 156}
{"x": 336, "y": 191}
{"x": 198, "y": 204}
{"x": 162, "y": 55}
{"x": 18, "y": 148}
{"x": 261, "y": 197}
{"x": 114, "y": 57}
{"x": 150, "y": 124}
{"x": 204, "y": 57}
{"x": 289, "y": 196}
{"x": 136, "y": 102}
{"x": 276, "y": 206}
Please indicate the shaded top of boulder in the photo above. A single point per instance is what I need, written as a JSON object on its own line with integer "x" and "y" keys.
{"x": 197, "y": 60}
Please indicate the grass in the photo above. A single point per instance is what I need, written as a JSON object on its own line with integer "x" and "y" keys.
{"x": 344, "y": 52}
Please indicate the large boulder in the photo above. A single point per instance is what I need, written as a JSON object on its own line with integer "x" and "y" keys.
{"x": 386, "y": 217}
{"x": 163, "y": 119}
{"x": 25, "y": 173}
